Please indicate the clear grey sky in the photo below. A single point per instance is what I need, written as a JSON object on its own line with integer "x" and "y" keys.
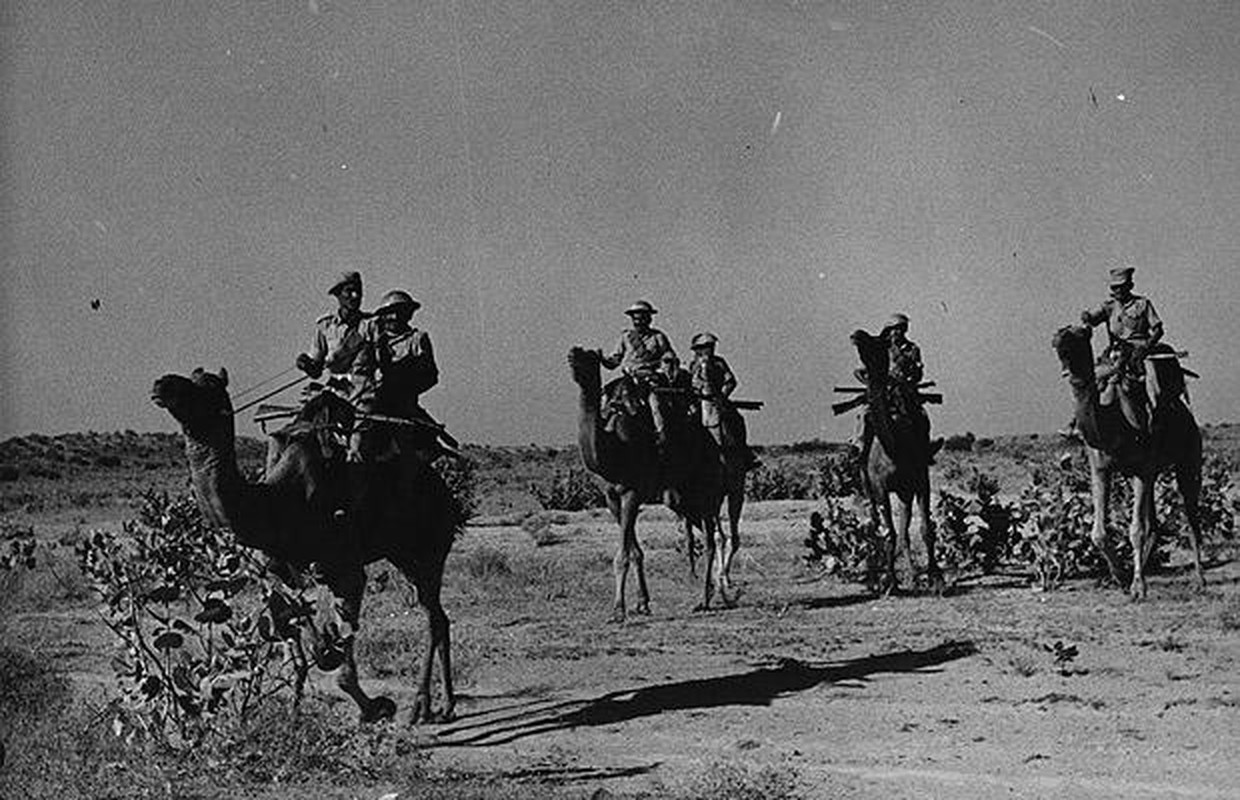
{"x": 779, "y": 173}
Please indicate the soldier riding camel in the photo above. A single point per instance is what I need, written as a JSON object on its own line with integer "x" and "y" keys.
{"x": 906, "y": 374}
{"x": 713, "y": 382}
{"x": 1133, "y": 329}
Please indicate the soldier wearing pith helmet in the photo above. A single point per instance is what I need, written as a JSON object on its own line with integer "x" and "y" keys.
{"x": 639, "y": 354}
{"x": 713, "y": 383}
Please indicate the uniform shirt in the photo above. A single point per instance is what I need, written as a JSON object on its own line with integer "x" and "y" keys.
{"x": 1133, "y": 320}
{"x": 344, "y": 346}
{"x": 639, "y": 352}
{"x": 713, "y": 381}
{"x": 906, "y": 366}
{"x": 407, "y": 368}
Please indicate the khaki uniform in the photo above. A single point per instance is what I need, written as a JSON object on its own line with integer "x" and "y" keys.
{"x": 344, "y": 347}
{"x": 713, "y": 381}
{"x": 1132, "y": 327}
{"x": 639, "y": 353}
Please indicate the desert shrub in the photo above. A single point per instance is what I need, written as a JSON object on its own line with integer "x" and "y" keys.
{"x": 202, "y": 627}
{"x": 974, "y": 533}
{"x": 1216, "y": 511}
{"x": 569, "y": 490}
{"x": 839, "y": 474}
{"x": 960, "y": 443}
{"x": 780, "y": 482}
{"x": 842, "y": 544}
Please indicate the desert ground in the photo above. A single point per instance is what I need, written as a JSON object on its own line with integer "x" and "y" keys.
{"x": 810, "y": 686}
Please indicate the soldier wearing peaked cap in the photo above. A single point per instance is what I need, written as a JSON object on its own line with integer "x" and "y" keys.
{"x": 343, "y": 347}
{"x": 1133, "y": 328}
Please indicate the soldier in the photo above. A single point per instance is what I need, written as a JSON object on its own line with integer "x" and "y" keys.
{"x": 1133, "y": 328}
{"x": 905, "y": 374}
{"x": 639, "y": 355}
{"x": 407, "y": 368}
{"x": 343, "y": 345}
{"x": 714, "y": 382}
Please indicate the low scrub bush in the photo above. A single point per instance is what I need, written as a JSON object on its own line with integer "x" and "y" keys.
{"x": 780, "y": 482}
{"x": 569, "y": 490}
{"x": 844, "y": 545}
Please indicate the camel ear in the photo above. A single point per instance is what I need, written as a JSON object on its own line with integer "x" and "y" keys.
{"x": 224, "y": 376}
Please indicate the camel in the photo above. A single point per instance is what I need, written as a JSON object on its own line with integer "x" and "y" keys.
{"x": 410, "y": 520}
{"x": 627, "y": 460}
{"x": 1114, "y": 447}
{"x": 897, "y": 465}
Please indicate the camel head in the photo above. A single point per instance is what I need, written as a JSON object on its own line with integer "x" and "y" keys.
{"x": 585, "y": 367}
{"x": 1075, "y": 352}
{"x": 200, "y": 402}
{"x": 873, "y": 351}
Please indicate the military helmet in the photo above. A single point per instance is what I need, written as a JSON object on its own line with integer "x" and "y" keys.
{"x": 344, "y": 279}
{"x": 703, "y": 340}
{"x": 641, "y": 307}
{"x": 897, "y": 321}
{"x": 1121, "y": 275}
{"x": 396, "y": 301}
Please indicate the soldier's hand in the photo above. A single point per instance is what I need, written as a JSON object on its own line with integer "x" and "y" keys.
{"x": 307, "y": 365}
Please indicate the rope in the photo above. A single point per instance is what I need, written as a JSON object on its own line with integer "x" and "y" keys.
{"x": 272, "y": 393}
{"x": 264, "y": 382}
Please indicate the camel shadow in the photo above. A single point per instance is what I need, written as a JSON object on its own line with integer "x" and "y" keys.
{"x": 756, "y": 687}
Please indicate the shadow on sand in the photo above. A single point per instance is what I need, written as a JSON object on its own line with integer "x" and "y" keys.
{"x": 757, "y": 687}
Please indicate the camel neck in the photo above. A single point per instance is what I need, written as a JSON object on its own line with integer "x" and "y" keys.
{"x": 216, "y": 480}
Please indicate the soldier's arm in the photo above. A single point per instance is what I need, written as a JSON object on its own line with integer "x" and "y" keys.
{"x": 1155, "y": 324}
{"x": 428, "y": 370}
{"x": 1094, "y": 316}
{"x": 728, "y": 383}
{"x": 612, "y": 361}
{"x": 311, "y": 362}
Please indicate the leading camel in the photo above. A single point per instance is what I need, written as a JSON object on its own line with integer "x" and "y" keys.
{"x": 1113, "y": 447}
{"x": 626, "y": 458}
{"x": 411, "y": 520}
{"x": 897, "y": 465}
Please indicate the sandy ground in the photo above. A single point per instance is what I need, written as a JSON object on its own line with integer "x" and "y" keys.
{"x": 817, "y": 682}
{"x": 849, "y": 695}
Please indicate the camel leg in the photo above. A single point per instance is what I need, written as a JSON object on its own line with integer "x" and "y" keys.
{"x": 690, "y": 545}
{"x": 1100, "y": 486}
{"x": 1188, "y": 479}
{"x": 1139, "y": 532}
{"x": 629, "y": 553}
{"x": 736, "y": 501}
{"x": 928, "y": 537}
{"x": 711, "y": 559}
{"x": 889, "y": 545}
{"x": 429, "y": 584}
{"x": 348, "y": 587}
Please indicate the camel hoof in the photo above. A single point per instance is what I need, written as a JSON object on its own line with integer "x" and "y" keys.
{"x": 643, "y": 609}
{"x": 380, "y": 708}
{"x": 422, "y": 712}
{"x": 616, "y": 617}
{"x": 701, "y": 608}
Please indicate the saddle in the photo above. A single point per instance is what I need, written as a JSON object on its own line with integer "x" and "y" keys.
{"x": 624, "y": 396}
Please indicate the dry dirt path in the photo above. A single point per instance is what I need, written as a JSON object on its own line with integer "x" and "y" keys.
{"x": 850, "y": 696}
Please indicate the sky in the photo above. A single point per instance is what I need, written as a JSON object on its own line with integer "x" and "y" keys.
{"x": 180, "y": 182}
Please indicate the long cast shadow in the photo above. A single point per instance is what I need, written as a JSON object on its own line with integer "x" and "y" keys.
{"x": 757, "y": 687}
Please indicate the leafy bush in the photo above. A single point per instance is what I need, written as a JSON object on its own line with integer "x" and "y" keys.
{"x": 569, "y": 490}
{"x": 842, "y": 544}
{"x": 203, "y": 629}
{"x": 974, "y": 532}
{"x": 839, "y": 474}
{"x": 780, "y": 482}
